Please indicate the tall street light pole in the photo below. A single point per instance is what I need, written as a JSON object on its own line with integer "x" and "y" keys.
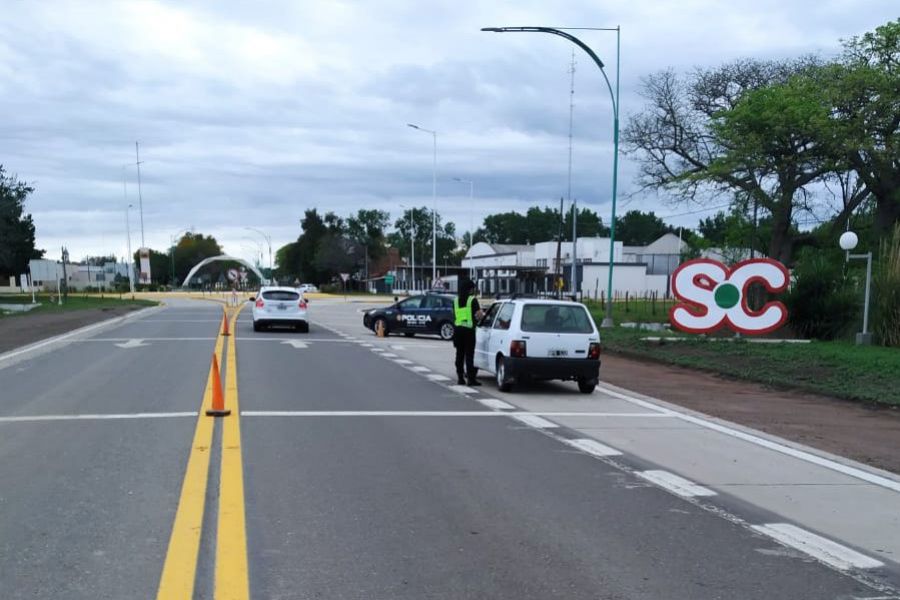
{"x": 471, "y": 215}
{"x": 130, "y": 262}
{"x": 412, "y": 242}
{"x": 137, "y": 162}
{"x": 433, "y": 203}
{"x": 269, "y": 245}
{"x": 614, "y": 96}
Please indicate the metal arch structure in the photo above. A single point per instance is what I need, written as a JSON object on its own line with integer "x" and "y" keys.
{"x": 221, "y": 257}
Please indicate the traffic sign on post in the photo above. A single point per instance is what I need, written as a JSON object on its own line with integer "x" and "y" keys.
{"x": 389, "y": 279}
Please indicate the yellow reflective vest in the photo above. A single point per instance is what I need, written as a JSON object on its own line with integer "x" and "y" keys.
{"x": 462, "y": 315}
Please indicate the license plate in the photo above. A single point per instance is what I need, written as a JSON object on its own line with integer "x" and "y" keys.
{"x": 557, "y": 353}
{"x": 282, "y": 306}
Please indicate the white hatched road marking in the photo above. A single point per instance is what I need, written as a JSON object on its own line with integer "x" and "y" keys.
{"x": 404, "y": 361}
{"x": 419, "y": 413}
{"x": 396, "y": 347}
{"x": 389, "y": 355}
{"x": 866, "y": 476}
{"x": 438, "y": 377}
{"x": 417, "y": 368}
{"x": 831, "y": 553}
{"x": 496, "y": 404}
{"x": 534, "y": 421}
{"x": 97, "y": 417}
{"x": 593, "y": 447}
{"x": 378, "y": 350}
{"x": 675, "y": 484}
{"x": 463, "y": 389}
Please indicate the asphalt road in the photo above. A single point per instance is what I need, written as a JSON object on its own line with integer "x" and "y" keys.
{"x": 347, "y": 475}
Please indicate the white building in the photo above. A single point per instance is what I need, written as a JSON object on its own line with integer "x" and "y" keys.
{"x": 637, "y": 270}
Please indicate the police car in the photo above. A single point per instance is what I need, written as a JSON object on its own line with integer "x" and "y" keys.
{"x": 430, "y": 314}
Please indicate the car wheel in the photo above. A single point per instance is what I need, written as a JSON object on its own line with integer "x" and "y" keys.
{"x": 257, "y": 326}
{"x": 409, "y": 334}
{"x": 447, "y": 330}
{"x": 303, "y": 327}
{"x": 586, "y": 386}
{"x": 503, "y": 384}
{"x": 375, "y": 325}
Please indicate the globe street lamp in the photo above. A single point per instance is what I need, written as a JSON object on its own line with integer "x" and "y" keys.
{"x": 848, "y": 242}
{"x": 433, "y": 202}
{"x": 608, "y": 320}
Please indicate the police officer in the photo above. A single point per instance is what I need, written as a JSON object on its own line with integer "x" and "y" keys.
{"x": 465, "y": 311}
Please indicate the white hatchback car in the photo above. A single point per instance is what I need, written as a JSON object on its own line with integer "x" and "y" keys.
{"x": 532, "y": 339}
{"x": 279, "y": 306}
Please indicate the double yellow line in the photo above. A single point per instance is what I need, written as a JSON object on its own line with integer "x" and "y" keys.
{"x": 180, "y": 567}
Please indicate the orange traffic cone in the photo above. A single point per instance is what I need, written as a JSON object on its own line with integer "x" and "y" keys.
{"x": 218, "y": 401}
{"x": 225, "y": 322}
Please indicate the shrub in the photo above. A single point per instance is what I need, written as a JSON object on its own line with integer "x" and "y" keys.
{"x": 886, "y": 291}
{"x": 331, "y": 288}
{"x": 821, "y": 303}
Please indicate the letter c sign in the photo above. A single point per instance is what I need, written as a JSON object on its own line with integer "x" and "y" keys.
{"x": 711, "y": 295}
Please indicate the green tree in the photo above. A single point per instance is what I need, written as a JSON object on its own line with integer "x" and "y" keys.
{"x": 752, "y": 129}
{"x": 864, "y": 91}
{"x": 16, "y": 227}
{"x": 367, "y": 228}
{"x": 636, "y": 228}
{"x": 190, "y": 250}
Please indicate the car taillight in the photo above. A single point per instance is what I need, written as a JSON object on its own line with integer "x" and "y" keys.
{"x": 260, "y": 303}
{"x": 517, "y": 349}
{"x": 302, "y": 304}
{"x": 594, "y": 351}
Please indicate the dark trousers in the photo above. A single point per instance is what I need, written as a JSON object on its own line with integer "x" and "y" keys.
{"x": 464, "y": 340}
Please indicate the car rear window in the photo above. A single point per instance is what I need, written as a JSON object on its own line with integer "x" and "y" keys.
{"x": 280, "y": 295}
{"x": 555, "y": 318}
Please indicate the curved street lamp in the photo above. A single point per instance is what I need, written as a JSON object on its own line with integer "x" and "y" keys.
{"x": 614, "y": 96}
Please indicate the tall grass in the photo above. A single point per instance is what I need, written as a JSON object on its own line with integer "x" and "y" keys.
{"x": 886, "y": 292}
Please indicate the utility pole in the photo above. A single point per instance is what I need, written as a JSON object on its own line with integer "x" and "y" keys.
{"x": 569, "y": 193}
{"x": 64, "y": 292}
{"x": 559, "y": 235}
{"x": 137, "y": 162}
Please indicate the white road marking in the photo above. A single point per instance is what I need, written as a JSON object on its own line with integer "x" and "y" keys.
{"x": 79, "y": 331}
{"x": 378, "y": 350}
{"x": 866, "y": 476}
{"x": 396, "y": 347}
{"x": 295, "y": 343}
{"x": 404, "y": 361}
{"x": 132, "y": 343}
{"x": 496, "y": 404}
{"x": 389, "y": 355}
{"x": 831, "y": 553}
{"x": 593, "y": 447}
{"x": 438, "y": 377}
{"x": 416, "y": 413}
{"x": 533, "y": 421}
{"x": 463, "y": 389}
{"x": 417, "y": 368}
{"x": 148, "y": 339}
{"x": 97, "y": 417}
{"x": 675, "y": 484}
{"x": 278, "y": 338}
{"x": 365, "y": 345}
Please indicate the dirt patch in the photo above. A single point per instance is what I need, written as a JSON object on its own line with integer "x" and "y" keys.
{"x": 870, "y": 435}
{"x": 19, "y": 331}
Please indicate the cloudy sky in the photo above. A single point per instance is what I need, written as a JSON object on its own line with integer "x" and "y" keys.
{"x": 249, "y": 113}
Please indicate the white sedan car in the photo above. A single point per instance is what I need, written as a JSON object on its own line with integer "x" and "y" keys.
{"x": 530, "y": 339}
{"x": 279, "y": 306}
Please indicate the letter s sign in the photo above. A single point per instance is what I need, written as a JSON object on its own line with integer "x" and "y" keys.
{"x": 711, "y": 295}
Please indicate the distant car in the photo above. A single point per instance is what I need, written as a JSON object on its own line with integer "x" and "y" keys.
{"x": 426, "y": 314}
{"x": 279, "y": 306}
{"x": 532, "y": 339}
{"x": 307, "y": 287}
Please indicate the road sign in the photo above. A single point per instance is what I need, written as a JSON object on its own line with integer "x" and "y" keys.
{"x": 232, "y": 274}
{"x": 345, "y": 277}
{"x": 389, "y": 279}
{"x": 438, "y": 284}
